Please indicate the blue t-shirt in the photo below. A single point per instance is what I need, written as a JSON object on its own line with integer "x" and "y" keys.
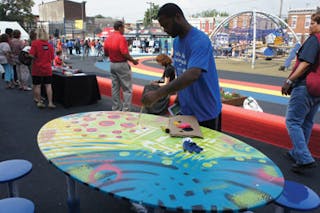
{"x": 202, "y": 98}
{"x": 309, "y": 50}
{"x": 308, "y": 53}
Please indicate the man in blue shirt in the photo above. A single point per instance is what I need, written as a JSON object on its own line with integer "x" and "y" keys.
{"x": 197, "y": 79}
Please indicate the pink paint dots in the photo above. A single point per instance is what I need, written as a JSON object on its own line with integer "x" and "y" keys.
{"x": 131, "y": 118}
{"x": 84, "y": 125}
{"x": 88, "y": 119}
{"x": 91, "y": 129}
{"x": 102, "y": 136}
{"x": 77, "y": 130}
{"x": 106, "y": 123}
{"x": 127, "y": 125}
{"x": 118, "y": 136}
{"x": 48, "y": 134}
{"x": 114, "y": 116}
{"x": 117, "y": 132}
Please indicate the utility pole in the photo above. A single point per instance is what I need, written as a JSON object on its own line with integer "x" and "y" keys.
{"x": 280, "y": 12}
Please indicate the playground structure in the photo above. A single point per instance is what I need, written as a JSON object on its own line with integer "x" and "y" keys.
{"x": 251, "y": 33}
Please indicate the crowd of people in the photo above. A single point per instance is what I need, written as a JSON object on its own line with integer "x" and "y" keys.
{"x": 14, "y": 73}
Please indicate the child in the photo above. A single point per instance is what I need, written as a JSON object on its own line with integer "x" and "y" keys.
{"x": 58, "y": 60}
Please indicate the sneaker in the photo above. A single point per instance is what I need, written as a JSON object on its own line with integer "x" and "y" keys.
{"x": 27, "y": 89}
{"x": 288, "y": 156}
{"x": 52, "y": 106}
{"x": 139, "y": 208}
{"x": 300, "y": 168}
{"x": 41, "y": 105}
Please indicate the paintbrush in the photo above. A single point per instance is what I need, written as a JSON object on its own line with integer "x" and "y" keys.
{"x": 139, "y": 117}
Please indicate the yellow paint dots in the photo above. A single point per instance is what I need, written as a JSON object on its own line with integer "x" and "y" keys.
{"x": 124, "y": 154}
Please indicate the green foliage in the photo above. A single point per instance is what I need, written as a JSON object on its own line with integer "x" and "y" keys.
{"x": 150, "y": 14}
{"x": 210, "y": 13}
{"x": 16, "y": 10}
{"x": 99, "y": 16}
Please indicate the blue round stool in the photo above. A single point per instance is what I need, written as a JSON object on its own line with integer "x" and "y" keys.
{"x": 298, "y": 197}
{"x": 11, "y": 170}
{"x": 16, "y": 205}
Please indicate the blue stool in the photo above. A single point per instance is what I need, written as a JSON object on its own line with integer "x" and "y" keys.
{"x": 298, "y": 197}
{"x": 16, "y": 205}
{"x": 12, "y": 170}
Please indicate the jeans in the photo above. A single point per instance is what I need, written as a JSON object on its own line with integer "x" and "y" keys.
{"x": 301, "y": 111}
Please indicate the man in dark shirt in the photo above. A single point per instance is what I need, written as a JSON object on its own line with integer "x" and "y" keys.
{"x": 302, "y": 105}
{"x": 116, "y": 48}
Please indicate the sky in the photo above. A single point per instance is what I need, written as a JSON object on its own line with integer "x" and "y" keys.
{"x": 133, "y": 10}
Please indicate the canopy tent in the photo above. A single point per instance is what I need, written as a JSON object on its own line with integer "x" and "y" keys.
{"x": 106, "y": 32}
{"x": 15, "y": 26}
{"x": 256, "y": 27}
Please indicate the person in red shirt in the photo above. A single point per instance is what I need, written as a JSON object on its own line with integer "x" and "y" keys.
{"x": 42, "y": 53}
{"x": 116, "y": 48}
{"x": 58, "y": 60}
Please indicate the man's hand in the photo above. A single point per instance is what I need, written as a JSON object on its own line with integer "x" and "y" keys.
{"x": 286, "y": 88}
{"x": 135, "y": 61}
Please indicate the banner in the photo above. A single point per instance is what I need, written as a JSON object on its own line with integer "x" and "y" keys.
{"x": 78, "y": 24}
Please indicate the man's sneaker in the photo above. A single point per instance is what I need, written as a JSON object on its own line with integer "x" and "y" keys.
{"x": 300, "y": 168}
{"x": 288, "y": 156}
{"x": 139, "y": 208}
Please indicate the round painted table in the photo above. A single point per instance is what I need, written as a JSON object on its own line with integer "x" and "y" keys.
{"x": 116, "y": 154}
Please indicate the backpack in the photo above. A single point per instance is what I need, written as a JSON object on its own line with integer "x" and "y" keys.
{"x": 158, "y": 108}
{"x": 24, "y": 58}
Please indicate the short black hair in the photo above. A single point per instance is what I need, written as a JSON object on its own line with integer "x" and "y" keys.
{"x": 117, "y": 25}
{"x": 169, "y": 10}
{"x": 9, "y": 31}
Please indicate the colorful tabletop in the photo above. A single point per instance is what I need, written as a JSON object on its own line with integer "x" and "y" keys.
{"x": 113, "y": 152}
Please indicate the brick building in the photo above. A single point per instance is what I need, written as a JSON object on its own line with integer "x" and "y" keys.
{"x": 63, "y": 17}
{"x": 299, "y": 20}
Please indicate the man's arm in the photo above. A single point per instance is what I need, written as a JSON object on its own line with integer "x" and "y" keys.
{"x": 183, "y": 81}
{"x": 129, "y": 58}
{"x": 299, "y": 72}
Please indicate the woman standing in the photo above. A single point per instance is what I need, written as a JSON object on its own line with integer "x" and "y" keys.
{"x": 43, "y": 55}
{"x": 22, "y": 70}
{"x": 6, "y": 60}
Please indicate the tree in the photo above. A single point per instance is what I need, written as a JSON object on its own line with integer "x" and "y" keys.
{"x": 16, "y": 10}
{"x": 210, "y": 13}
{"x": 99, "y": 16}
{"x": 150, "y": 14}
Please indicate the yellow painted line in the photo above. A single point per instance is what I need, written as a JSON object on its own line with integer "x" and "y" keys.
{"x": 227, "y": 85}
{"x": 146, "y": 72}
{"x": 251, "y": 89}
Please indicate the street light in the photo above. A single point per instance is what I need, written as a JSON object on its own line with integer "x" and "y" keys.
{"x": 83, "y": 4}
